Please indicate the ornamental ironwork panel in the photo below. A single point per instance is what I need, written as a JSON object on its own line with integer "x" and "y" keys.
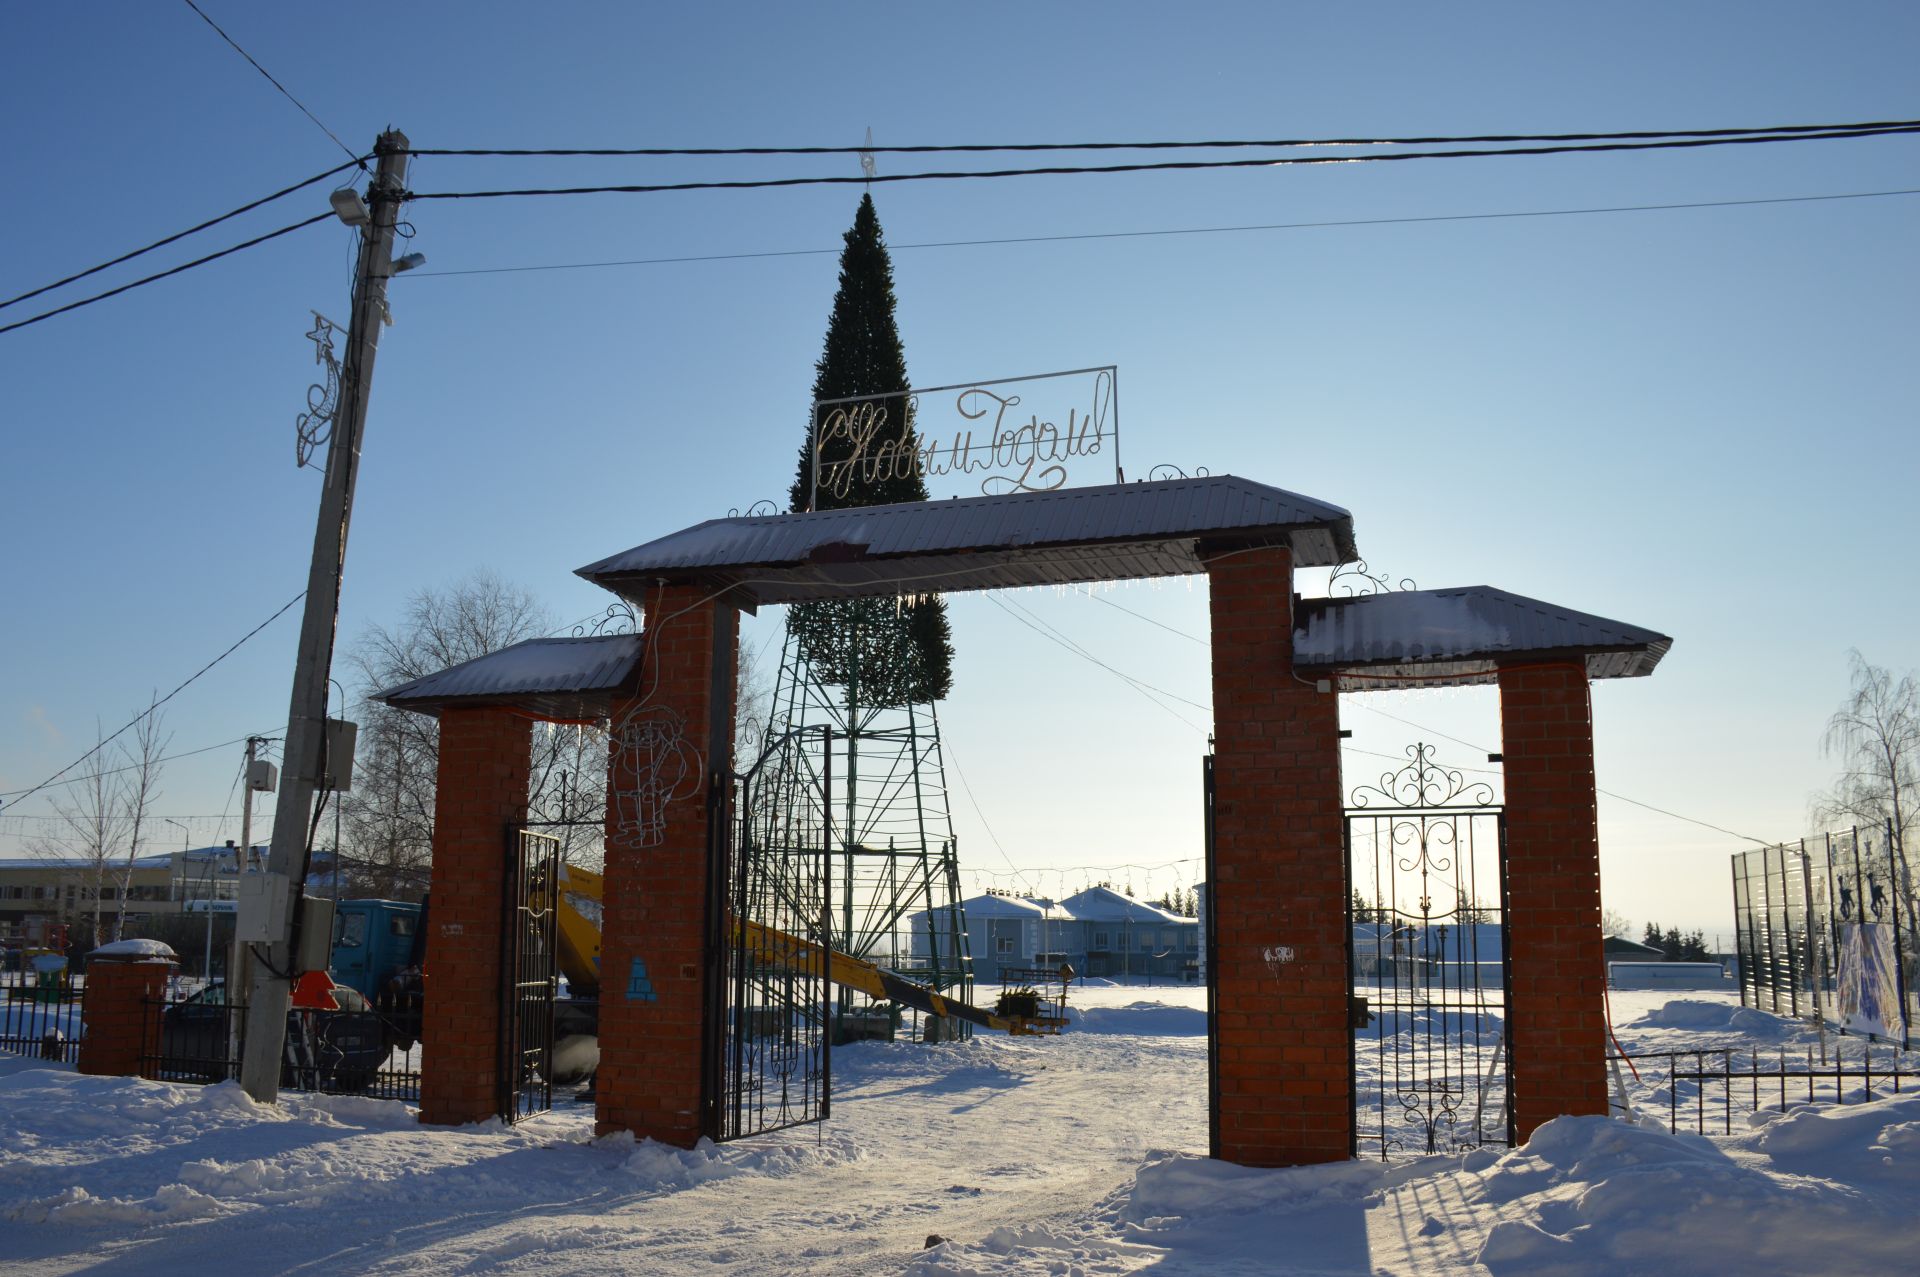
{"x": 768, "y": 1046}
{"x": 1428, "y": 962}
{"x": 528, "y": 981}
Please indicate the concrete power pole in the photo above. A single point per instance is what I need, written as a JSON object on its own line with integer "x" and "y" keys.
{"x": 269, "y": 915}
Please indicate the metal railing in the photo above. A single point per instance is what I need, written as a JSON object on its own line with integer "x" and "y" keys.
{"x": 201, "y": 1039}
{"x": 40, "y": 1015}
{"x": 1704, "y": 1091}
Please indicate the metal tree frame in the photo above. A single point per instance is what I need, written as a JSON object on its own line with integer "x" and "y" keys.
{"x": 1428, "y": 961}
{"x": 769, "y": 1044}
{"x": 894, "y": 874}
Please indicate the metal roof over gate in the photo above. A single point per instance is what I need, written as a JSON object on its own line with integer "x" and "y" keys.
{"x": 1444, "y": 638}
{"x": 1117, "y": 532}
{"x": 566, "y": 679}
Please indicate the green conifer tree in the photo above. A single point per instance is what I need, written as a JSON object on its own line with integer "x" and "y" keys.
{"x": 886, "y": 653}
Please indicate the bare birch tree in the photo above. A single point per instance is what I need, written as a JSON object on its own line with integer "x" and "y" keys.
{"x": 139, "y": 788}
{"x": 388, "y": 815}
{"x": 88, "y": 813}
{"x": 1875, "y": 736}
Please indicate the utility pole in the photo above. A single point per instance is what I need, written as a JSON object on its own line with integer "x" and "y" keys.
{"x": 274, "y": 912}
{"x": 239, "y": 964}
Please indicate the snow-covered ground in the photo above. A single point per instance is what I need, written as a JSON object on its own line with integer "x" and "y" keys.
{"x": 1081, "y": 1154}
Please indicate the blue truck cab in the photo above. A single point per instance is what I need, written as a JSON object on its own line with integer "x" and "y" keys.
{"x": 372, "y": 941}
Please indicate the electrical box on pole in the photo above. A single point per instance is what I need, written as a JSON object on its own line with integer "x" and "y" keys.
{"x": 275, "y": 907}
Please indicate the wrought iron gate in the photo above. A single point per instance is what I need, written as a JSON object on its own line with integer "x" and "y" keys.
{"x": 768, "y": 1047}
{"x": 528, "y": 984}
{"x": 1427, "y": 960}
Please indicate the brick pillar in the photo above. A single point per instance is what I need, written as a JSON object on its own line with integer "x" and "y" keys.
{"x": 485, "y": 757}
{"x": 120, "y": 1009}
{"x": 1284, "y": 1050}
{"x": 1556, "y": 1007}
{"x": 658, "y": 962}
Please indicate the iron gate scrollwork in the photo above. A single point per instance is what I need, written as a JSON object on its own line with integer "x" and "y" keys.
{"x": 528, "y": 982}
{"x": 769, "y": 1043}
{"x": 1428, "y": 963}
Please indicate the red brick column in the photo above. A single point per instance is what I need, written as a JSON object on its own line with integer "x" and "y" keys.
{"x": 485, "y": 757}
{"x": 657, "y": 965}
{"x": 121, "y": 1012}
{"x": 1555, "y": 1007}
{"x": 1279, "y": 885}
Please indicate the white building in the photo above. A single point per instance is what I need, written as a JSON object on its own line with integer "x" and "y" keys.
{"x": 1098, "y": 932}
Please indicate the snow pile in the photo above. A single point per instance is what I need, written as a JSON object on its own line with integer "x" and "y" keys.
{"x": 1699, "y": 1016}
{"x": 1141, "y": 1019}
{"x": 1823, "y": 1190}
{"x": 663, "y": 1167}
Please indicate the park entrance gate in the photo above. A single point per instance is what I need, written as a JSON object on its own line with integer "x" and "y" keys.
{"x": 528, "y": 981}
{"x": 1427, "y": 960}
{"x": 767, "y": 1052}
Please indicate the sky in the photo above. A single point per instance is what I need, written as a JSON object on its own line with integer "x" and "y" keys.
{"x": 1697, "y": 420}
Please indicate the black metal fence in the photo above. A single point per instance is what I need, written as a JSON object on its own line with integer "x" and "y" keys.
{"x": 1826, "y": 926}
{"x": 40, "y": 1015}
{"x": 353, "y": 1051}
{"x": 1705, "y": 1091}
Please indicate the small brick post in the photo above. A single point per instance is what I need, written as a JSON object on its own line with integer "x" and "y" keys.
{"x": 1281, "y": 1029}
{"x": 120, "y": 1008}
{"x": 1556, "y": 1002}
{"x": 658, "y": 958}
{"x": 485, "y": 759}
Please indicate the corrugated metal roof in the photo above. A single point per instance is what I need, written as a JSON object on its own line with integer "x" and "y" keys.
{"x": 562, "y": 678}
{"x": 1449, "y": 637}
{"x": 1116, "y": 532}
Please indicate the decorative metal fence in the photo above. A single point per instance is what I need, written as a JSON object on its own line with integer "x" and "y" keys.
{"x": 355, "y": 1051}
{"x": 1826, "y": 926}
{"x": 1428, "y": 963}
{"x": 1705, "y": 1091}
{"x": 528, "y": 981}
{"x": 40, "y": 1015}
{"x": 769, "y": 1047}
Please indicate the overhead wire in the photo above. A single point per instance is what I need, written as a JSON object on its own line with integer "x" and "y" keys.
{"x": 1213, "y": 144}
{"x": 1169, "y": 231}
{"x": 19, "y": 794}
{"x": 178, "y": 235}
{"x": 275, "y": 83}
{"x": 139, "y": 283}
{"x": 1385, "y": 714}
{"x": 1157, "y": 166}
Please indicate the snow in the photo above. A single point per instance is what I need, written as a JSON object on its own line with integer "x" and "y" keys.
{"x": 144, "y": 950}
{"x": 1078, "y": 1154}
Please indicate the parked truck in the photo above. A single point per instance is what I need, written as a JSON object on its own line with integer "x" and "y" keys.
{"x": 379, "y": 948}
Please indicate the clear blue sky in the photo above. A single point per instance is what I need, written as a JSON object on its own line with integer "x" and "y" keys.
{"x": 1700, "y": 421}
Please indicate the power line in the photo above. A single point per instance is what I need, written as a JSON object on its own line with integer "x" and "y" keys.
{"x": 18, "y": 794}
{"x": 1396, "y": 718}
{"x": 115, "y": 771}
{"x": 178, "y": 235}
{"x": 275, "y": 83}
{"x": 1217, "y": 144}
{"x": 1162, "y": 166}
{"x": 1147, "y": 690}
{"x": 198, "y": 261}
{"x": 1186, "y": 230}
